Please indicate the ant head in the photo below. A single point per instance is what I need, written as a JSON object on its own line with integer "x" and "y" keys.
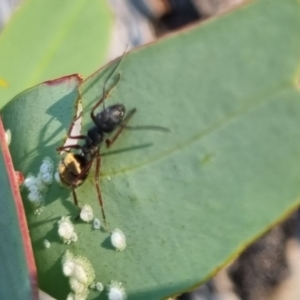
{"x": 120, "y": 108}
{"x": 116, "y": 113}
{"x": 109, "y": 119}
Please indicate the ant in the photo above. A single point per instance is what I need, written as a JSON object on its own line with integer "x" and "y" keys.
{"x": 74, "y": 168}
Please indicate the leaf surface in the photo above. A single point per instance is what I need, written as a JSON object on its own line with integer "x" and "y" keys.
{"x": 189, "y": 200}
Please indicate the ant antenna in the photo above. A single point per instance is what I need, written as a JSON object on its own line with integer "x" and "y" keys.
{"x": 111, "y": 73}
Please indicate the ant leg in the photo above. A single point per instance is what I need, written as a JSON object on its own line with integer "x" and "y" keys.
{"x": 71, "y": 127}
{"x": 62, "y": 148}
{"x": 97, "y": 172}
{"x": 75, "y": 199}
{"x": 77, "y": 137}
{"x": 102, "y": 99}
{"x": 84, "y": 171}
{"x": 109, "y": 142}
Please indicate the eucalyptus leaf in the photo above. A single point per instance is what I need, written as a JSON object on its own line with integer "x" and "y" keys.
{"x": 189, "y": 200}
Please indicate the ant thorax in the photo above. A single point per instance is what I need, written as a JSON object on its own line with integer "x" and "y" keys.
{"x": 94, "y": 139}
{"x": 89, "y": 152}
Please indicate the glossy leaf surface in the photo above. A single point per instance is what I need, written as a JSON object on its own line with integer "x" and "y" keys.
{"x": 190, "y": 199}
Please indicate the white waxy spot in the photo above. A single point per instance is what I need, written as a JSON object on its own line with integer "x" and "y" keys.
{"x": 86, "y": 213}
{"x": 66, "y": 230}
{"x": 99, "y": 286}
{"x": 35, "y": 198}
{"x": 108, "y": 178}
{"x": 96, "y": 223}
{"x": 80, "y": 272}
{"x": 29, "y": 180}
{"x": 118, "y": 239}
{"x": 72, "y": 296}
{"x": 47, "y": 178}
{"x": 68, "y": 267}
{"x": 77, "y": 286}
{"x": 47, "y": 165}
{"x": 47, "y": 244}
{"x": 46, "y": 171}
{"x": 33, "y": 189}
{"x": 44, "y": 168}
{"x": 40, "y": 184}
{"x": 116, "y": 291}
{"x": 8, "y": 136}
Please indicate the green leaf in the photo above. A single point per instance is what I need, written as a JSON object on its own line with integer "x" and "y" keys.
{"x": 53, "y": 108}
{"x": 49, "y": 39}
{"x": 18, "y": 271}
{"x": 189, "y": 200}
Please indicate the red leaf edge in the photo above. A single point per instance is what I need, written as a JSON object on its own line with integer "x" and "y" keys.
{"x": 20, "y": 212}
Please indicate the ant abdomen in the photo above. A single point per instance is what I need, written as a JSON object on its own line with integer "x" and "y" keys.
{"x": 70, "y": 169}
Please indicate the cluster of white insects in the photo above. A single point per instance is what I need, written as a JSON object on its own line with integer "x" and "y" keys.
{"x": 81, "y": 276}
{"x": 38, "y": 185}
{"x": 66, "y": 230}
{"x": 80, "y": 272}
{"x": 72, "y": 172}
{"x": 77, "y": 268}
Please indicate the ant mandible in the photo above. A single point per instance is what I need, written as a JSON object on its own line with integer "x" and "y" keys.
{"x": 74, "y": 168}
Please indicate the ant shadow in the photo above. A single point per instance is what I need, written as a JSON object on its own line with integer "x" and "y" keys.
{"x": 49, "y": 142}
{"x": 59, "y": 122}
{"x": 51, "y": 235}
{"x": 107, "y": 244}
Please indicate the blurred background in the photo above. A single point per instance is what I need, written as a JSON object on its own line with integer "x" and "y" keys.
{"x": 142, "y": 21}
{"x": 269, "y": 269}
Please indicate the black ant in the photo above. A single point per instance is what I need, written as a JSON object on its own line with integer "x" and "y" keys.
{"x": 74, "y": 168}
